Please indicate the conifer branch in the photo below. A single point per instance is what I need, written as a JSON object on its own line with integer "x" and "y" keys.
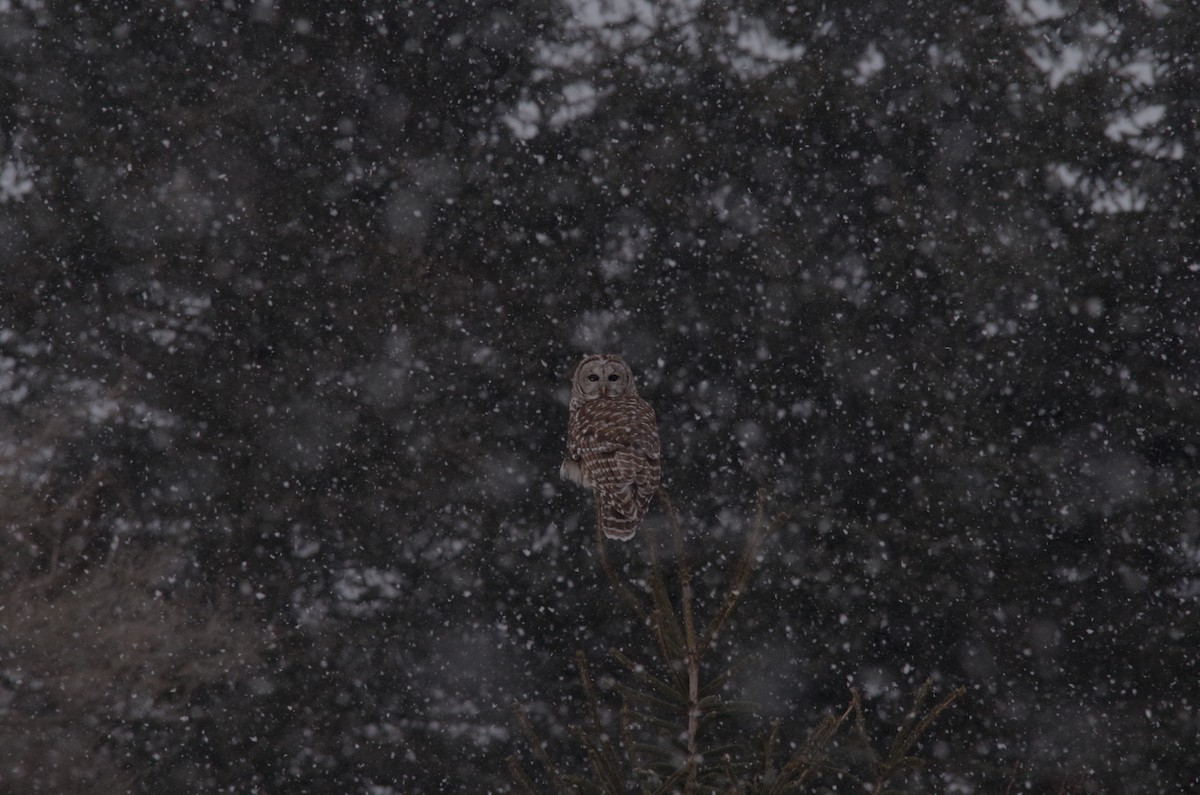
{"x": 603, "y": 773}
{"x": 642, "y": 675}
{"x": 626, "y": 733}
{"x": 772, "y": 740}
{"x": 604, "y": 749}
{"x": 676, "y": 777}
{"x": 810, "y": 756}
{"x": 539, "y": 751}
{"x": 646, "y": 699}
{"x": 915, "y": 725}
{"x": 712, "y": 686}
{"x": 518, "y": 774}
{"x": 589, "y": 694}
{"x": 730, "y": 775}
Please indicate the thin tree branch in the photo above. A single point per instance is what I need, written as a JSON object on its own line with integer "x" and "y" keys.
{"x": 539, "y": 752}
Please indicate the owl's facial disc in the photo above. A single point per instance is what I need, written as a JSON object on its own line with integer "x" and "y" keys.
{"x": 603, "y": 376}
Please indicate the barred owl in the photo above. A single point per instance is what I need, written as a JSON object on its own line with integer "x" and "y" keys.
{"x": 612, "y": 443}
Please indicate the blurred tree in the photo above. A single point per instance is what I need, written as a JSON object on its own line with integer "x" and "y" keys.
{"x": 291, "y": 292}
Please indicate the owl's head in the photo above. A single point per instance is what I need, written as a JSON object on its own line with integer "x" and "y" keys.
{"x": 601, "y": 375}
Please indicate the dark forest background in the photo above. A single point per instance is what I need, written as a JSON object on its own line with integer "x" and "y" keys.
{"x": 291, "y": 292}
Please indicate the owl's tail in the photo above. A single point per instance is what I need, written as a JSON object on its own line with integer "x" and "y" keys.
{"x": 619, "y": 528}
{"x": 621, "y": 511}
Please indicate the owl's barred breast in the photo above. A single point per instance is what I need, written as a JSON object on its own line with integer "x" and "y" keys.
{"x": 609, "y": 423}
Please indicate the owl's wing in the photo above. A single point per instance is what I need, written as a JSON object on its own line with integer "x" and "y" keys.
{"x": 640, "y": 430}
{"x": 646, "y": 431}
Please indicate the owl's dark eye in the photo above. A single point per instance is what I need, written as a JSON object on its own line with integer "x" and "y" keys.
{"x": 593, "y": 377}
{"x": 614, "y": 377}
